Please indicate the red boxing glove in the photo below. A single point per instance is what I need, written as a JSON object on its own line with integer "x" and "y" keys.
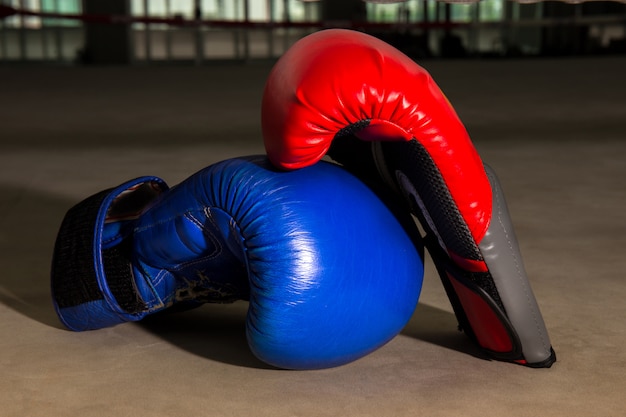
{"x": 374, "y": 110}
{"x": 336, "y": 81}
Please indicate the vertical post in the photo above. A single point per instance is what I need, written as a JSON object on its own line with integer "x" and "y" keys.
{"x": 246, "y": 32}
{"x": 43, "y": 29}
{"x": 505, "y": 27}
{"x": 3, "y": 40}
{"x": 475, "y": 28}
{"x": 199, "y": 39}
{"x": 168, "y": 32}
{"x": 236, "y": 32}
{"x": 104, "y": 43}
{"x": 448, "y": 17}
{"x": 515, "y": 27}
{"x": 22, "y": 34}
{"x": 269, "y": 4}
{"x": 446, "y": 48}
{"x": 426, "y": 31}
{"x": 286, "y": 19}
{"x": 58, "y": 33}
{"x": 147, "y": 32}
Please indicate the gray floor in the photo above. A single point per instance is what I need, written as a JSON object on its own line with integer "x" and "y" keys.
{"x": 555, "y": 130}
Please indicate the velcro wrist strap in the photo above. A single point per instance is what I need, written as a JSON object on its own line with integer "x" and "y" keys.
{"x": 91, "y": 279}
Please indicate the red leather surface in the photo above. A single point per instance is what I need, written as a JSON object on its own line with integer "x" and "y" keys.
{"x": 336, "y": 77}
{"x": 487, "y": 327}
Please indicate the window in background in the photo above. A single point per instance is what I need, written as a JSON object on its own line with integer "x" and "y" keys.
{"x": 384, "y": 12}
{"x": 413, "y": 11}
{"x": 461, "y": 13}
{"x": 64, "y": 7}
{"x": 50, "y": 6}
{"x": 491, "y": 10}
{"x": 294, "y": 10}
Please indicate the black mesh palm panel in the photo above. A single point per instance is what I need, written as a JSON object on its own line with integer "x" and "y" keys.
{"x": 74, "y": 279}
{"x": 412, "y": 159}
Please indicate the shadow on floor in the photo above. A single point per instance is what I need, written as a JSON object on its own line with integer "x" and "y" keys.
{"x": 440, "y": 327}
{"x": 213, "y": 331}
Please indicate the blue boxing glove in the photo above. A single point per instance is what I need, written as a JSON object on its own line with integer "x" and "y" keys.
{"x": 330, "y": 273}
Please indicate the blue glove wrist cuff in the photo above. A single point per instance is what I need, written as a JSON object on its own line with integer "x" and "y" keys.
{"x": 92, "y": 283}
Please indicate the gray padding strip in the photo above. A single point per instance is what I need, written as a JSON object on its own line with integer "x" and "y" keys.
{"x": 501, "y": 253}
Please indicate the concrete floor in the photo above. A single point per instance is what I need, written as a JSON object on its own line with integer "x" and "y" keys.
{"x": 555, "y": 130}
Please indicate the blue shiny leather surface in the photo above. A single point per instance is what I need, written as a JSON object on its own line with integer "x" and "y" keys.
{"x": 332, "y": 274}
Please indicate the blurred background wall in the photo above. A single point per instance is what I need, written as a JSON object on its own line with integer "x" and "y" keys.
{"x": 104, "y": 32}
